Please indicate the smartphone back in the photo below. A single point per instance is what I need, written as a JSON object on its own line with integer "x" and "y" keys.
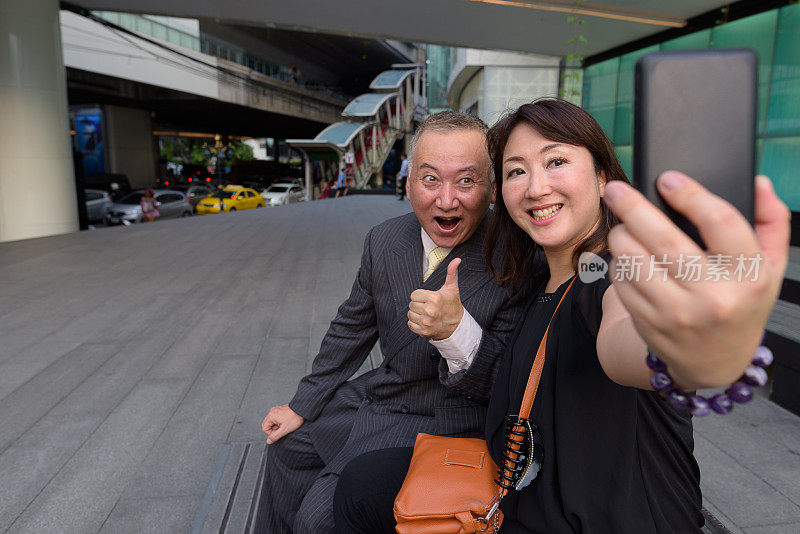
{"x": 695, "y": 112}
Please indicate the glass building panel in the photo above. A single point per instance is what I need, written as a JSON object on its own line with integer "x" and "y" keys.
{"x": 780, "y": 161}
{"x": 758, "y": 33}
{"x": 160, "y": 32}
{"x": 440, "y": 60}
{"x": 126, "y": 20}
{"x": 600, "y": 93}
{"x": 625, "y": 157}
{"x": 623, "y": 123}
{"x": 783, "y": 116}
{"x": 173, "y": 36}
{"x": 143, "y": 26}
{"x": 693, "y": 41}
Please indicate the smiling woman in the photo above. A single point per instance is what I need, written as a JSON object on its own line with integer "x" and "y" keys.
{"x": 554, "y": 152}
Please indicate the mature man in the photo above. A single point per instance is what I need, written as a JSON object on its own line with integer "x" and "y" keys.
{"x": 424, "y": 292}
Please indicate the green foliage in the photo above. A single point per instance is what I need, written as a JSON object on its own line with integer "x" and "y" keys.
{"x": 240, "y": 151}
{"x": 182, "y": 150}
{"x": 179, "y": 150}
{"x": 723, "y": 17}
{"x": 197, "y": 153}
{"x": 570, "y": 79}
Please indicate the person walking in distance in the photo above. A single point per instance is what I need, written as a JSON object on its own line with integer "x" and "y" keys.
{"x": 148, "y": 205}
{"x": 402, "y": 176}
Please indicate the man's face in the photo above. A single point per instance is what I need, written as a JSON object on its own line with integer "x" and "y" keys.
{"x": 448, "y": 184}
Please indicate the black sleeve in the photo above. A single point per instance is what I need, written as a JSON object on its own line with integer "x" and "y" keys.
{"x": 588, "y": 300}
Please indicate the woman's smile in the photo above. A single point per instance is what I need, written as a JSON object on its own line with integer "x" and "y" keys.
{"x": 542, "y": 216}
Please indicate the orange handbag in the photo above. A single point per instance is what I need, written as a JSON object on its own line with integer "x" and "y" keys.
{"x": 451, "y": 488}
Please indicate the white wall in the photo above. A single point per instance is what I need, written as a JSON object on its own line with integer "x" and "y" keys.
{"x": 93, "y": 47}
{"x": 500, "y": 81}
{"x": 473, "y": 92}
{"x": 506, "y": 88}
{"x": 259, "y": 147}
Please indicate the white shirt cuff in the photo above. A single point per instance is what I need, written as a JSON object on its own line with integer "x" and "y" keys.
{"x": 460, "y": 348}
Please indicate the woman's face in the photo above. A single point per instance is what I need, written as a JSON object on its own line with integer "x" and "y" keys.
{"x": 551, "y": 189}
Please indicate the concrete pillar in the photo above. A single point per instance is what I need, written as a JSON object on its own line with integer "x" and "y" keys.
{"x": 130, "y": 145}
{"x": 309, "y": 175}
{"x": 37, "y": 182}
{"x": 374, "y": 143}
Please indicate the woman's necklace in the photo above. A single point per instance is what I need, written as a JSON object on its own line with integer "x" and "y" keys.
{"x": 559, "y": 284}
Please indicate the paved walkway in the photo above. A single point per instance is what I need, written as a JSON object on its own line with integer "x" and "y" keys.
{"x": 136, "y": 365}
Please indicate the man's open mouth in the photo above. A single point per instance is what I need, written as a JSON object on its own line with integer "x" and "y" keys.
{"x": 447, "y": 224}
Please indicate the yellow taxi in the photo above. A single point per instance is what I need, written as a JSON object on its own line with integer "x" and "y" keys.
{"x": 232, "y": 198}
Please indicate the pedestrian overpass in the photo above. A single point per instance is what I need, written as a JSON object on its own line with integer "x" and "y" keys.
{"x": 372, "y": 123}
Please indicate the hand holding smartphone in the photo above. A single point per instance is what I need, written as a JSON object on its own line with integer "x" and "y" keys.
{"x": 695, "y": 112}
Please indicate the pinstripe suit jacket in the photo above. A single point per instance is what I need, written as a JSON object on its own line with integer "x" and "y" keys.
{"x": 412, "y": 391}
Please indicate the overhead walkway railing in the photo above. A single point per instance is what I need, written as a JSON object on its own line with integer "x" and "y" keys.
{"x": 373, "y": 123}
{"x": 213, "y": 46}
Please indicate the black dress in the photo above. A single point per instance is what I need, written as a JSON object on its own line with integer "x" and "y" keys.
{"x": 617, "y": 459}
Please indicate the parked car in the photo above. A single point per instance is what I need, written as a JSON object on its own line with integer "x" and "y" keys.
{"x": 117, "y": 185}
{"x": 290, "y": 181}
{"x": 195, "y": 193}
{"x": 169, "y": 204}
{"x": 281, "y": 194}
{"x": 232, "y": 198}
{"x": 97, "y": 204}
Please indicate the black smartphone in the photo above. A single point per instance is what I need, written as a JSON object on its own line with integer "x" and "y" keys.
{"x": 695, "y": 111}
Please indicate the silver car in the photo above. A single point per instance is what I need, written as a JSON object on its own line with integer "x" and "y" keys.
{"x": 168, "y": 203}
{"x": 195, "y": 192}
{"x": 280, "y": 194}
{"x": 98, "y": 202}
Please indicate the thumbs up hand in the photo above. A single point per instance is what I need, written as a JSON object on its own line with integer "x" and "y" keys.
{"x": 436, "y": 314}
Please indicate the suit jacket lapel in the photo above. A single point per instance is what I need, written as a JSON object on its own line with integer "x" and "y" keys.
{"x": 405, "y": 275}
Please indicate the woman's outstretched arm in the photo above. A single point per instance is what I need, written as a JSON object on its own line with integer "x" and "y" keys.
{"x": 701, "y": 312}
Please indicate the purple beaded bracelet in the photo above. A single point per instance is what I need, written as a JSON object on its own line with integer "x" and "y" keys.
{"x": 722, "y": 403}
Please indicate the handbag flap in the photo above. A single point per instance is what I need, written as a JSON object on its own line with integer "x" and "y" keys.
{"x": 464, "y": 458}
{"x": 470, "y": 486}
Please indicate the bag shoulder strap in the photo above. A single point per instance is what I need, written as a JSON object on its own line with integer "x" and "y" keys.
{"x": 538, "y": 363}
{"x": 516, "y": 438}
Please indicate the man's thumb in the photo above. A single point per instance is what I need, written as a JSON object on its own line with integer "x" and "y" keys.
{"x": 452, "y": 275}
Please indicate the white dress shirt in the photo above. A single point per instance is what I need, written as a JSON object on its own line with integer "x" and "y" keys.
{"x": 459, "y": 349}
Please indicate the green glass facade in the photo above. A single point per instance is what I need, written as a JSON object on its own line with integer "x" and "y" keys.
{"x": 775, "y": 37}
{"x": 440, "y": 59}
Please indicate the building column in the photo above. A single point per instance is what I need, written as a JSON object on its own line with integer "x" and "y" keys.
{"x": 309, "y": 177}
{"x": 37, "y": 182}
